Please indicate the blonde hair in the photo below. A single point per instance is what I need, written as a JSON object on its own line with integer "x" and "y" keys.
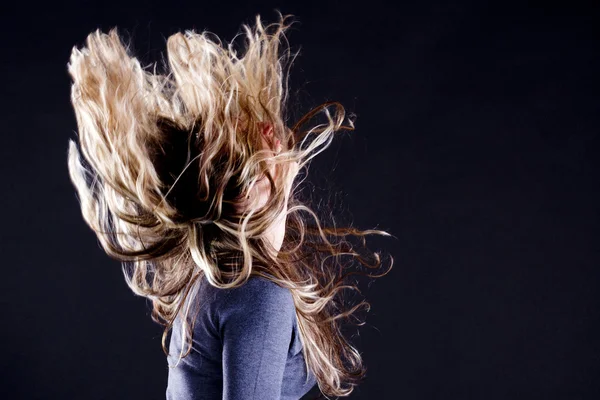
{"x": 163, "y": 158}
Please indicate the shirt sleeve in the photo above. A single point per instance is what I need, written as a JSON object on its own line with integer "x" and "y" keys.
{"x": 256, "y": 327}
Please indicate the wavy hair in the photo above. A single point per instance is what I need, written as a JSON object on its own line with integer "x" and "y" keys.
{"x": 163, "y": 158}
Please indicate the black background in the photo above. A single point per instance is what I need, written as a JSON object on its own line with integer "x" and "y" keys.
{"x": 476, "y": 146}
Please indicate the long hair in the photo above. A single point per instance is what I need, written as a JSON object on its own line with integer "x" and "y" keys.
{"x": 163, "y": 157}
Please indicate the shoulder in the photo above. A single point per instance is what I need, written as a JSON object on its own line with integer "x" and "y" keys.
{"x": 257, "y": 291}
{"x": 258, "y": 298}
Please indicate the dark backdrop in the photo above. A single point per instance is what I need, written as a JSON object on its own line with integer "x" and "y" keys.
{"x": 476, "y": 146}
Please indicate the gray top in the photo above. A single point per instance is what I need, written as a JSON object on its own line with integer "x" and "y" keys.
{"x": 246, "y": 345}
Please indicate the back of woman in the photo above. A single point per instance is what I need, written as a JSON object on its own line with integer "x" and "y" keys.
{"x": 251, "y": 333}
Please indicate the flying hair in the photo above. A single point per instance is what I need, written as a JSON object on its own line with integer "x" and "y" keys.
{"x": 163, "y": 159}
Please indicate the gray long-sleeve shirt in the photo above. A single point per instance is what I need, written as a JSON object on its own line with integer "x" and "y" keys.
{"x": 246, "y": 346}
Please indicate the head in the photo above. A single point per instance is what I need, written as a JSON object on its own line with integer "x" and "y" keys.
{"x": 260, "y": 193}
{"x": 193, "y": 173}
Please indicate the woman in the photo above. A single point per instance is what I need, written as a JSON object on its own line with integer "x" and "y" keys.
{"x": 188, "y": 178}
